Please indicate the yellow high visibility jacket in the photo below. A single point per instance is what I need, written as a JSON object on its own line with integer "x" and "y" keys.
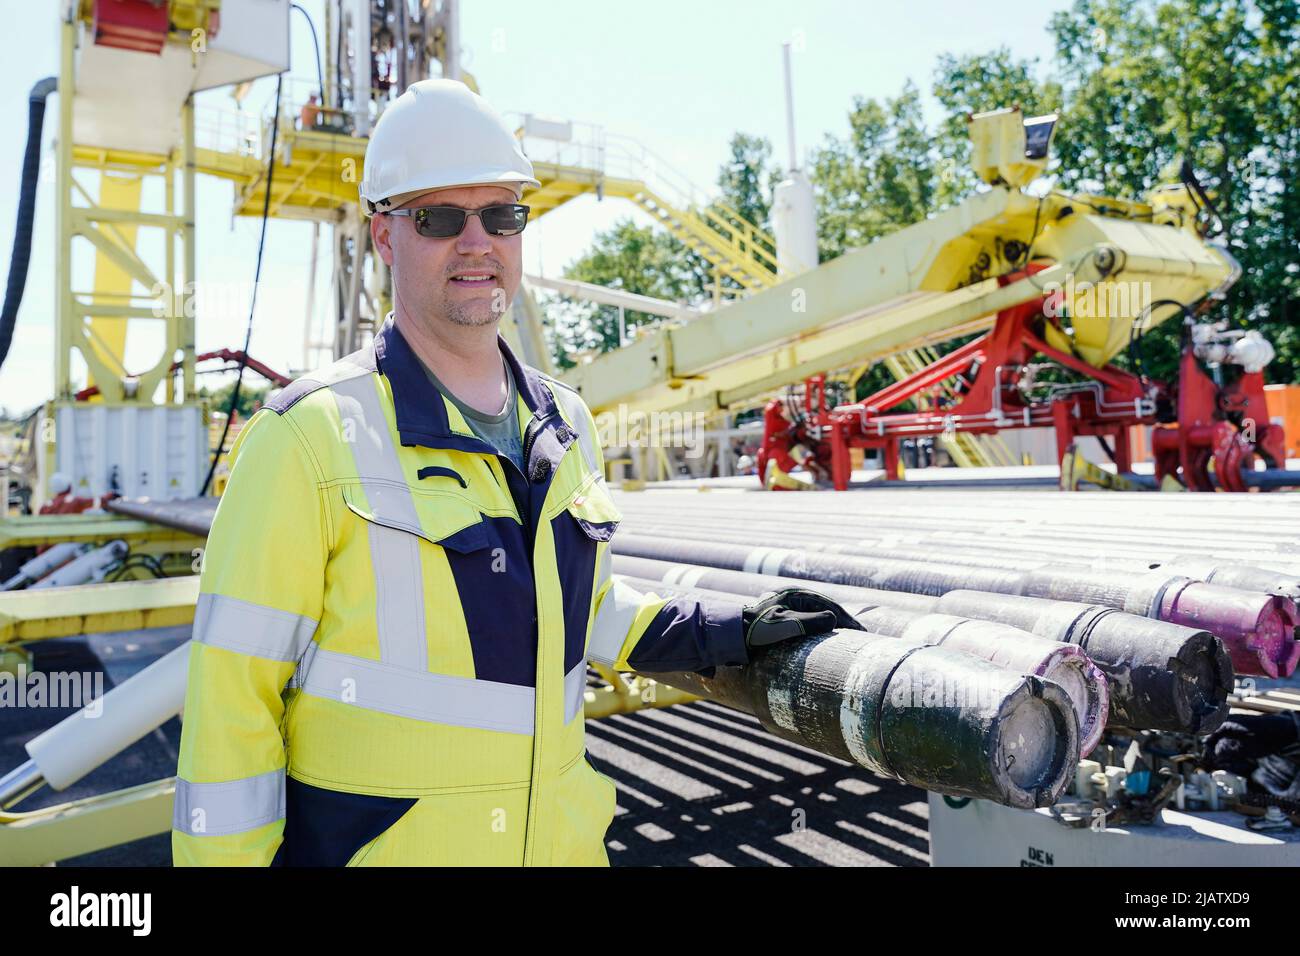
{"x": 390, "y": 644}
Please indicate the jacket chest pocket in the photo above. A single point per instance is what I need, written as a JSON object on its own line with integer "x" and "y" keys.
{"x": 444, "y": 570}
{"x": 443, "y": 518}
{"x": 410, "y": 539}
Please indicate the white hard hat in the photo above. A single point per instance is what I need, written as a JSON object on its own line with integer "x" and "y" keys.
{"x": 59, "y": 483}
{"x": 436, "y": 135}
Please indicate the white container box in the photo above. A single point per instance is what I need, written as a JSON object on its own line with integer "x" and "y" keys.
{"x": 155, "y": 451}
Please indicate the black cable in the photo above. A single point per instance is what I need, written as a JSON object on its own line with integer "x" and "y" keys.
{"x": 1033, "y": 236}
{"x": 338, "y": 61}
{"x": 151, "y": 564}
{"x": 145, "y": 560}
{"x": 21, "y": 255}
{"x": 1199, "y": 196}
{"x": 1029, "y": 250}
{"x": 1135, "y": 336}
{"x": 320, "y": 70}
{"x": 257, "y": 278}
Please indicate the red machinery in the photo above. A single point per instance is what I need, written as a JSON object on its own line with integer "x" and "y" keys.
{"x": 1200, "y": 419}
{"x": 226, "y": 355}
{"x": 788, "y": 441}
{"x": 143, "y": 25}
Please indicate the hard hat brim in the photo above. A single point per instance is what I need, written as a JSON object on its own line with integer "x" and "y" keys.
{"x": 405, "y": 195}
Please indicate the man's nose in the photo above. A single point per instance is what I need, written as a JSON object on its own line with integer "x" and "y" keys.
{"x": 473, "y": 239}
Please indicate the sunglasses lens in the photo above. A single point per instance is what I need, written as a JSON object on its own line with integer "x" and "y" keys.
{"x": 444, "y": 222}
{"x": 439, "y": 222}
{"x": 506, "y": 220}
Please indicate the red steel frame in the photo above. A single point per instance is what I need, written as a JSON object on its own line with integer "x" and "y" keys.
{"x": 1224, "y": 424}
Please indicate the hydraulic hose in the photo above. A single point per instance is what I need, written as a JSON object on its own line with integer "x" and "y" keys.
{"x": 21, "y": 255}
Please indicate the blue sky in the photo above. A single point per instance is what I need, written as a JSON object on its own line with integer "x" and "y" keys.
{"x": 679, "y": 77}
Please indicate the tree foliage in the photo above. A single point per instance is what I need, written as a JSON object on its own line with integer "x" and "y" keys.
{"x": 250, "y": 398}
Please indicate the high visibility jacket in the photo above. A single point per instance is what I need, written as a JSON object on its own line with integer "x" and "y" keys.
{"x": 390, "y": 644}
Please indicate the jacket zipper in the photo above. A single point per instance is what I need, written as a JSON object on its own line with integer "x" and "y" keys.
{"x": 530, "y": 435}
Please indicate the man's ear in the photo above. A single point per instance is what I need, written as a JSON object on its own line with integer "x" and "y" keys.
{"x": 381, "y": 236}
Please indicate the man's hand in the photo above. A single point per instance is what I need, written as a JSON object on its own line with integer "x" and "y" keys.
{"x": 792, "y": 612}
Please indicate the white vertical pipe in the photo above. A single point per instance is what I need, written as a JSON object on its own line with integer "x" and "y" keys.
{"x": 789, "y": 106}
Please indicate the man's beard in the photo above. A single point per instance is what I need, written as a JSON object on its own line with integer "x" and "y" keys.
{"x": 471, "y": 313}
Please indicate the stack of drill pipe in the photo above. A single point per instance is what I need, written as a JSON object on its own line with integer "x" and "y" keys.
{"x": 849, "y": 533}
{"x": 1159, "y": 676}
{"x": 930, "y": 716}
{"x": 1008, "y": 647}
{"x": 1258, "y": 629}
{"x": 1155, "y": 528}
{"x": 1005, "y": 553}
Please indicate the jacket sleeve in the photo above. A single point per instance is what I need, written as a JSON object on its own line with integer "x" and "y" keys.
{"x": 260, "y": 598}
{"x": 632, "y": 630}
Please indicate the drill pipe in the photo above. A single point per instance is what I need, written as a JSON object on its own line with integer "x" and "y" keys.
{"x": 1160, "y": 676}
{"x": 1008, "y": 647}
{"x": 1258, "y": 629}
{"x": 745, "y": 583}
{"x": 928, "y": 716}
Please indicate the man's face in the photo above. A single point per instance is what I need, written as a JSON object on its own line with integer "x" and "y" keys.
{"x": 425, "y": 271}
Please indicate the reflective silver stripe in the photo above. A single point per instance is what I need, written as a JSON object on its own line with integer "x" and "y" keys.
{"x": 304, "y": 665}
{"x": 399, "y": 597}
{"x": 247, "y": 628}
{"x": 613, "y": 621}
{"x": 234, "y": 806}
{"x": 575, "y": 689}
{"x": 575, "y": 409}
{"x": 395, "y": 555}
{"x": 436, "y": 698}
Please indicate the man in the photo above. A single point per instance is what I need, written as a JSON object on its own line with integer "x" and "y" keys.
{"x": 310, "y": 113}
{"x": 410, "y": 565}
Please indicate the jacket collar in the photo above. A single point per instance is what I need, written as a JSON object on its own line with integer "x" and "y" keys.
{"x": 421, "y": 411}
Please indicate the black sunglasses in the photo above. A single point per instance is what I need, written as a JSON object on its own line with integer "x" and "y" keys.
{"x": 443, "y": 222}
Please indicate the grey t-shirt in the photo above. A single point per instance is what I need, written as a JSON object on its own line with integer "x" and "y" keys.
{"x": 501, "y": 431}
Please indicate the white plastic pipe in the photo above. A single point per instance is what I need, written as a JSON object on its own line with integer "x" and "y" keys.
{"x": 81, "y": 742}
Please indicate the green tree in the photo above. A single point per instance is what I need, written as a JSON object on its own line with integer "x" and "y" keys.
{"x": 250, "y": 397}
{"x": 638, "y": 259}
{"x": 880, "y": 178}
{"x": 747, "y": 181}
{"x": 1148, "y": 84}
